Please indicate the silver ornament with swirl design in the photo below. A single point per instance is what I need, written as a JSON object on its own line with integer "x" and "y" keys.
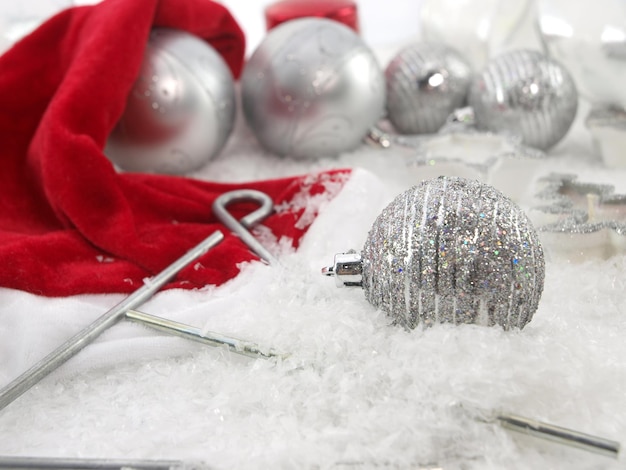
{"x": 426, "y": 82}
{"x": 180, "y": 111}
{"x": 524, "y": 92}
{"x": 312, "y": 89}
{"x": 452, "y": 250}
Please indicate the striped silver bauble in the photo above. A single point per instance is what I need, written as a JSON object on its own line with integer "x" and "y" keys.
{"x": 452, "y": 250}
{"x": 525, "y": 93}
{"x": 426, "y": 82}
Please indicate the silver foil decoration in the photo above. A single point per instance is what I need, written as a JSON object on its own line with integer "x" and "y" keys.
{"x": 426, "y": 82}
{"x": 180, "y": 111}
{"x": 450, "y": 250}
{"x": 312, "y": 89}
{"x": 524, "y": 92}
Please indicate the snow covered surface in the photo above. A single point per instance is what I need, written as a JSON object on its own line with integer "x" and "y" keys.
{"x": 355, "y": 392}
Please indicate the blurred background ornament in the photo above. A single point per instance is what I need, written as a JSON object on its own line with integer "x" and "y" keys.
{"x": 480, "y": 29}
{"x": 520, "y": 105}
{"x": 591, "y": 43}
{"x": 450, "y": 250}
{"x": 526, "y": 93}
{"x": 180, "y": 111}
{"x": 312, "y": 89}
{"x": 426, "y": 82}
{"x": 343, "y": 11}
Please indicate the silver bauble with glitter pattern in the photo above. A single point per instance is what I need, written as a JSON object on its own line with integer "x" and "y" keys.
{"x": 180, "y": 110}
{"x": 523, "y": 92}
{"x": 312, "y": 89}
{"x": 452, "y": 250}
{"x": 426, "y": 82}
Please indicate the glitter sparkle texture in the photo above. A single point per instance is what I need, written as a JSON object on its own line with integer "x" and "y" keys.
{"x": 452, "y": 250}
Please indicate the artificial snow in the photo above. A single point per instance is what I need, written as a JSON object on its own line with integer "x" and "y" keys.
{"x": 354, "y": 391}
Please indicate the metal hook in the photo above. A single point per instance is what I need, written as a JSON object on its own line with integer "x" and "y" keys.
{"x": 240, "y": 227}
{"x": 88, "y": 334}
{"x": 125, "y": 309}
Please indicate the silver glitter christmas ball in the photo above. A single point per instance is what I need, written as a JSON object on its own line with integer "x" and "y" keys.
{"x": 456, "y": 251}
{"x": 525, "y": 93}
{"x": 180, "y": 110}
{"x": 312, "y": 89}
{"x": 426, "y": 82}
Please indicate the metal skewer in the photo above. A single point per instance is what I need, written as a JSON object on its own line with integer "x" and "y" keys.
{"x": 550, "y": 432}
{"x": 76, "y": 343}
{"x": 40, "y": 463}
{"x": 209, "y": 338}
{"x": 126, "y": 309}
{"x": 239, "y": 227}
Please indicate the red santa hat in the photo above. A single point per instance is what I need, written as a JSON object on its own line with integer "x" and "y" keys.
{"x": 69, "y": 222}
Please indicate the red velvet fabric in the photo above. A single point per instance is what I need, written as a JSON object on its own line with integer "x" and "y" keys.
{"x": 69, "y": 223}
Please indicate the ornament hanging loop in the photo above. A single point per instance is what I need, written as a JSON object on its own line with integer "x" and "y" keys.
{"x": 347, "y": 269}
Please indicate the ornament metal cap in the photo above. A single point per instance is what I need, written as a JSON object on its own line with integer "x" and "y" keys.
{"x": 347, "y": 269}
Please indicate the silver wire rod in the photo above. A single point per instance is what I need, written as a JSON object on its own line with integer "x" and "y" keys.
{"x": 240, "y": 228}
{"x": 53, "y": 463}
{"x": 560, "y": 435}
{"x": 239, "y": 346}
{"x": 76, "y": 343}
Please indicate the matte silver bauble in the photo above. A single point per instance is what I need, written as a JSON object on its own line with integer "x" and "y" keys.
{"x": 426, "y": 82}
{"x": 312, "y": 89}
{"x": 180, "y": 111}
{"x": 452, "y": 250}
{"x": 525, "y": 93}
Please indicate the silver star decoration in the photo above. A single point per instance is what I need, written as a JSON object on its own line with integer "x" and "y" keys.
{"x": 581, "y": 207}
{"x": 454, "y": 142}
